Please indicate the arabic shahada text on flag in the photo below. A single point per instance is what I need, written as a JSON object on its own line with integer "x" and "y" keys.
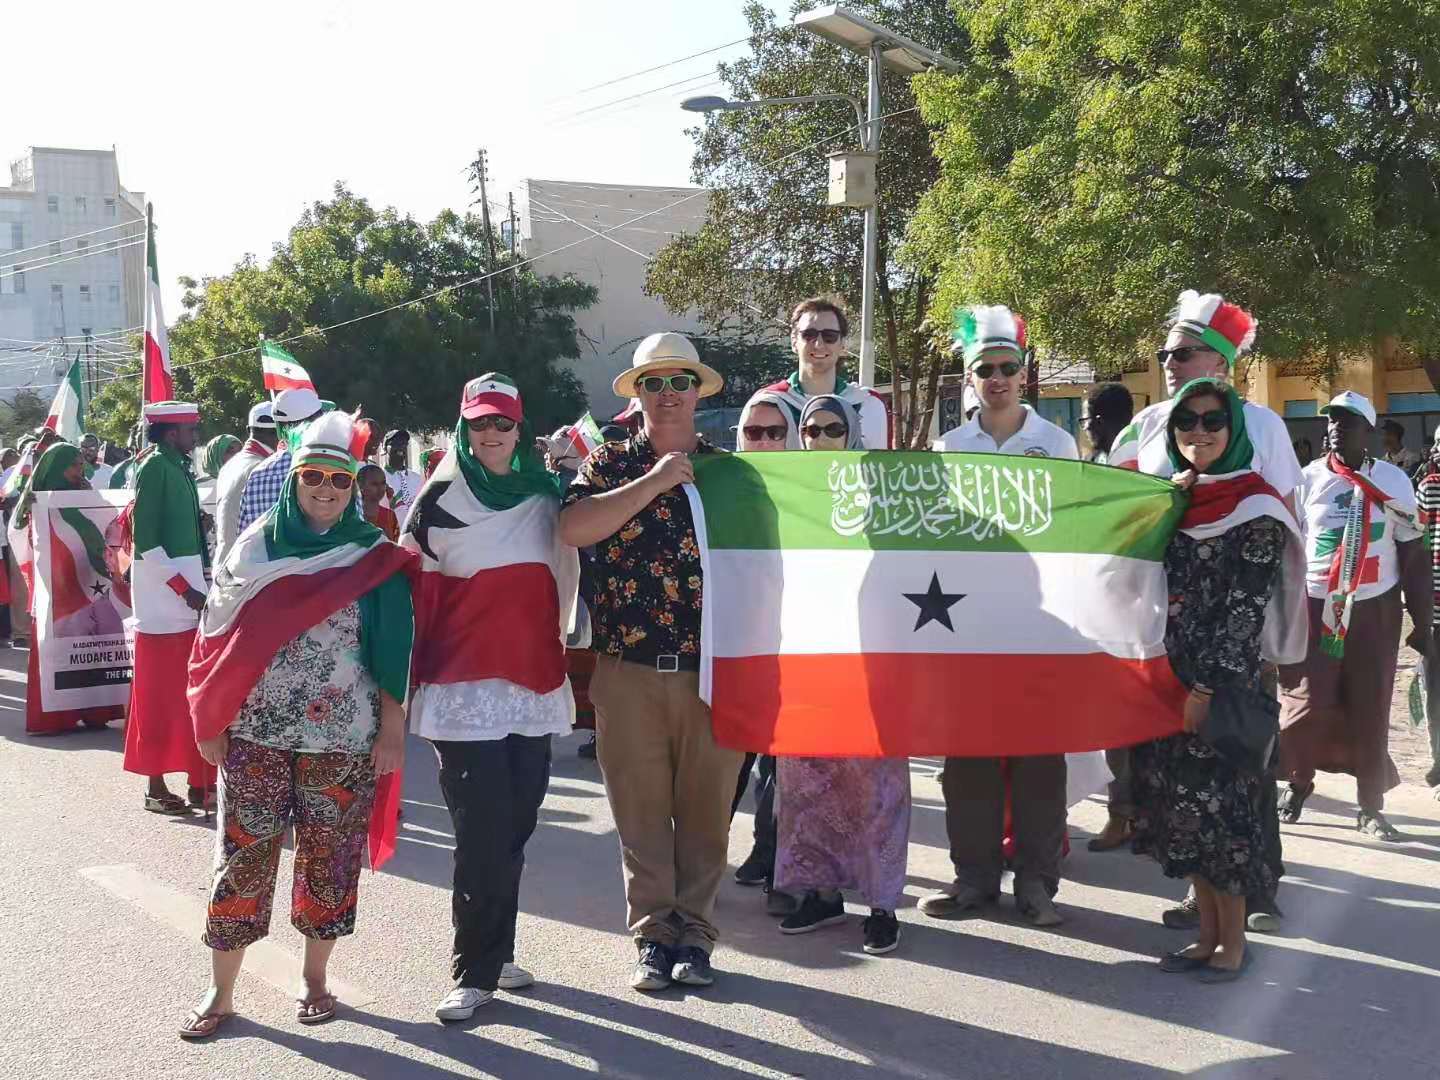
{"x": 906, "y": 604}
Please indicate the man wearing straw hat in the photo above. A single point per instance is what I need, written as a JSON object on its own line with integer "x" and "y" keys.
{"x": 669, "y": 785}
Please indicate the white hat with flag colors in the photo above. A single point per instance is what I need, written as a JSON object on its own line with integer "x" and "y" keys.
{"x": 262, "y": 415}
{"x": 1225, "y": 327}
{"x": 330, "y": 442}
{"x": 172, "y": 412}
{"x": 664, "y": 351}
{"x": 292, "y": 406}
{"x": 492, "y": 394}
{"x": 982, "y": 328}
{"x": 1350, "y": 401}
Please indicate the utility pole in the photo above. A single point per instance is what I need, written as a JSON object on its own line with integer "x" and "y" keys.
{"x": 510, "y": 197}
{"x": 477, "y": 173}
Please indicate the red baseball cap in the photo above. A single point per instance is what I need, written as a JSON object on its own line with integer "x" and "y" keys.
{"x": 492, "y": 394}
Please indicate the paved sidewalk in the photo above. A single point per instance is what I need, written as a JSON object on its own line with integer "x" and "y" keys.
{"x": 99, "y": 906}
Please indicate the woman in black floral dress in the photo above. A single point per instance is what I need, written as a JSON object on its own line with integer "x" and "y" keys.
{"x": 1197, "y": 814}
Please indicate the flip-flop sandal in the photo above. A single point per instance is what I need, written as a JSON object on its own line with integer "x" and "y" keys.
{"x": 310, "y": 1003}
{"x": 206, "y": 1025}
{"x": 1209, "y": 973}
{"x": 171, "y": 805}
{"x": 1175, "y": 962}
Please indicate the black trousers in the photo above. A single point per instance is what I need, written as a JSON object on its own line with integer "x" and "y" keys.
{"x": 762, "y": 767}
{"x": 494, "y": 790}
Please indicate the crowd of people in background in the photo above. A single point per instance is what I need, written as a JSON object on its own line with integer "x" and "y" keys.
{"x": 512, "y": 588}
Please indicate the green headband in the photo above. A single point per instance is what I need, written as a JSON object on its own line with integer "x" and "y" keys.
{"x": 1211, "y": 337}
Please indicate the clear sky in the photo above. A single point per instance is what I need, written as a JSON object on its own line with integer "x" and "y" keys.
{"x": 232, "y": 117}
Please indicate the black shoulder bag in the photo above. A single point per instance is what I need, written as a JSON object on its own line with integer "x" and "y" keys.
{"x": 1243, "y": 728}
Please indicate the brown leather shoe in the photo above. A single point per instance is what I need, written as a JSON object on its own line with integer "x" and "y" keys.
{"x": 1117, "y": 833}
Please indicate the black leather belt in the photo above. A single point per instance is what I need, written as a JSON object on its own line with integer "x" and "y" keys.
{"x": 666, "y": 663}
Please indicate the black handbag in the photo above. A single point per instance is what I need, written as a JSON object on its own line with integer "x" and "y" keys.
{"x": 1243, "y": 728}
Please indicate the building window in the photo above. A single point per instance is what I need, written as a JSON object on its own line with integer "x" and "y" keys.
{"x": 1412, "y": 403}
{"x": 84, "y": 293}
{"x": 82, "y": 245}
{"x": 57, "y": 292}
{"x": 80, "y": 203}
{"x": 17, "y": 236}
{"x": 109, "y": 207}
{"x": 55, "y": 248}
{"x": 114, "y": 294}
{"x": 53, "y": 204}
{"x": 1305, "y": 407}
{"x": 12, "y": 279}
{"x": 17, "y": 283}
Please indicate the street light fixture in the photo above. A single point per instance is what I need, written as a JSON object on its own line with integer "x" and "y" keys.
{"x": 719, "y": 104}
{"x": 883, "y": 48}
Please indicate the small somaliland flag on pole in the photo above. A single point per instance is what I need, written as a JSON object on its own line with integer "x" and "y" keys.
{"x": 281, "y": 370}
{"x": 916, "y": 603}
{"x": 158, "y": 381}
{"x": 585, "y": 435}
{"x": 66, "y": 418}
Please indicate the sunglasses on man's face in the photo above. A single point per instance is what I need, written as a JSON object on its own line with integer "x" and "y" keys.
{"x": 832, "y": 430}
{"x": 314, "y": 478}
{"x": 654, "y": 384}
{"x": 485, "y": 423}
{"x": 1183, "y": 355}
{"x": 809, "y": 334}
{"x": 1212, "y": 421}
{"x": 764, "y": 432}
{"x": 1008, "y": 368}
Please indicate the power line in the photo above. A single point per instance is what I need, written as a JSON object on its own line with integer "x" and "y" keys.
{"x": 600, "y": 233}
{"x": 31, "y": 268}
{"x": 74, "y": 236}
{"x": 657, "y": 67}
{"x": 710, "y": 75}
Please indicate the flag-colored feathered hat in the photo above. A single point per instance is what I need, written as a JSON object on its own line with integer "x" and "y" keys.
{"x": 332, "y": 441}
{"x": 1225, "y": 327}
{"x": 981, "y": 328}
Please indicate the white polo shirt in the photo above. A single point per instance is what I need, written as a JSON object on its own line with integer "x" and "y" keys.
{"x": 1037, "y": 437}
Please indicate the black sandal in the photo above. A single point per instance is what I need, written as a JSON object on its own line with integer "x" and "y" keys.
{"x": 169, "y": 804}
{"x": 1293, "y": 801}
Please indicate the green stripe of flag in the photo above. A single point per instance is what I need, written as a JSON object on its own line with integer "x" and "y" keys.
{"x": 917, "y": 501}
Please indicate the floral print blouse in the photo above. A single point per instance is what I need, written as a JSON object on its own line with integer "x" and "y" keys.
{"x": 648, "y": 586}
{"x": 316, "y": 696}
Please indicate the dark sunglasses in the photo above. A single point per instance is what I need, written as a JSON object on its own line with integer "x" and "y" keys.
{"x": 654, "y": 384}
{"x": 485, "y": 423}
{"x": 830, "y": 337}
{"x": 1212, "y": 421}
{"x": 314, "y": 478}
{"x": 1008, "y": 368}
{"x": 759, "y": 432}
{"x": 1183, "y": 355}
{"x": 832, "y": 430}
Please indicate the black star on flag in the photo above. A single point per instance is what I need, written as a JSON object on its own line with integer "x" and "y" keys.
{"x": 934, "y": 604}
{"x": 98, "y": 589}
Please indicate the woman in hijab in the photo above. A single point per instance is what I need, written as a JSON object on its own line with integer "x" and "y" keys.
{"x": 1197, "y": 812}
{"x": 60, "y": 468}
{"x": 844, "y": 822}
{"x": 766, "y": 423}
{"x": 217, "y": 452}
{"x": 493, "y": 604}
{"x": 297, "y": 686}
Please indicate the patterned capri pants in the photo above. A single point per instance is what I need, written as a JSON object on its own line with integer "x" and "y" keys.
{"x": 328, "y": 796}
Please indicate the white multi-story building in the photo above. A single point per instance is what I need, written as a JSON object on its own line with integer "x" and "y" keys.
{"x": 560, "y": 224}
{"x": 72, "y": 258}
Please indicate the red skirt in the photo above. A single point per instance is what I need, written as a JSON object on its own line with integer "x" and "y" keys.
{"x": 39, "y": 722}
{"x": 159, "y": 736}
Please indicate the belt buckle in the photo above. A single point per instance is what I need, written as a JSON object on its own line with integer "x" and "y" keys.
{"x": 669, "y": 663}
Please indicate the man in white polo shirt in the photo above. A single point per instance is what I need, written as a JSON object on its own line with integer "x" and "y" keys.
{"x": 992, "y": 342}
{"x": 1207, "y": 335}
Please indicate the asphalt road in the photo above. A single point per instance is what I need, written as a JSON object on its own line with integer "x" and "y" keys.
{"x": 100, "y": 905}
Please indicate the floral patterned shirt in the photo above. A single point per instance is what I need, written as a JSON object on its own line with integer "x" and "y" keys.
{"x": 648, "y": 585}
{"x": 316, "y": 696}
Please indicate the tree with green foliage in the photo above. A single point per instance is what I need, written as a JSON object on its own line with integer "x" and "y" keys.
{"x": 344, "y": 260}
{"x": 770, "y": 239}
{"x": 1100, "y": 155}
{"x": 21, "y": 415}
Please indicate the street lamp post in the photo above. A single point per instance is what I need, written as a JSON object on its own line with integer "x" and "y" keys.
{"x": 882, "y": 48}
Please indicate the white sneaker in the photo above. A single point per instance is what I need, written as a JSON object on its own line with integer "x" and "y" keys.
{"x": 514, "y": 977}
{"x": 461, "y": 1003}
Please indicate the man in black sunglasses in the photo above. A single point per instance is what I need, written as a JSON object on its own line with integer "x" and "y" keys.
{"x": 670, "y": 786}
{"x": 1207, "y": 334}
{"x": 818, "y": 330}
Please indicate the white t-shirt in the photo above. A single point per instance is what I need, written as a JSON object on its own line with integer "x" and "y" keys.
{"x": 1324, "y": 500}
{"x": 404, "y": 485}
{"x": 1037, "y": 437}
{"x": 1274, "y": 458}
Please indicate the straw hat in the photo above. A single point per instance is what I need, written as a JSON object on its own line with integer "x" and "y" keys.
{"x": 668, "y": 350}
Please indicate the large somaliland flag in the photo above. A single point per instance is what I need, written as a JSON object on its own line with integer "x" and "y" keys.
{"x": 66, "y": 417}
{"x": 906, "y": 604}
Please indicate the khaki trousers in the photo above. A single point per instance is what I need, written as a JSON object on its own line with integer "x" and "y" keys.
{"x": 670, "y": 789}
